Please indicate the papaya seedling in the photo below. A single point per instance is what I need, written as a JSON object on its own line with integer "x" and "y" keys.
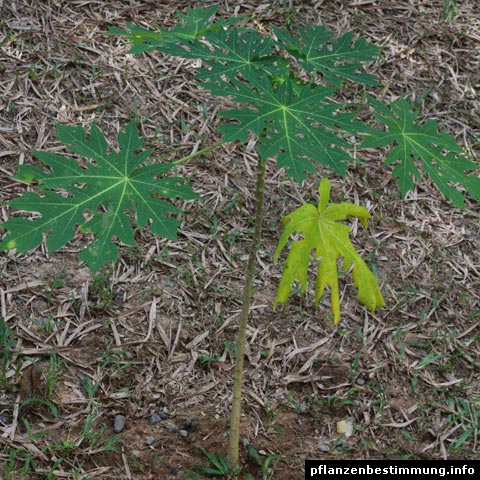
{"x": 286, "y": 84}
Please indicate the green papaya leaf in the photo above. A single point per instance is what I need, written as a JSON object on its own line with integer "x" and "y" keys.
{"x": 334, "y": 58}
{"x": 328, "y": 238}
{"x": 225, "y": 52}
{"x": 98, "y": 196}
{"x": 441, "y": 158}
{"x": 195, "y": 23}
{"x": 296, "y": 123}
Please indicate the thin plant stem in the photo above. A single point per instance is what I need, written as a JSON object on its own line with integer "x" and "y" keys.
{"x": 234, "y": 438}
{"x": 199, "y": 152}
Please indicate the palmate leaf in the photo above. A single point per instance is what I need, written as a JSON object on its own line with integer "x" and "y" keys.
{"x": 441, "y": 158}
{"x": 334, "y": 58}
{"x": 195, "y": 24}
{"x": 296, "y": 122}
{"x": 328, "y": 238}
{"x": 225, "y": 52}
{"x": 105, "y": 190}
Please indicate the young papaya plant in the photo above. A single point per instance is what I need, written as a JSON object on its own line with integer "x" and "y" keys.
{"x": 285, "y": 83}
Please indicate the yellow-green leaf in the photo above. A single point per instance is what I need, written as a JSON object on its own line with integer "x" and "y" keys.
{"x": 325, "y": 235}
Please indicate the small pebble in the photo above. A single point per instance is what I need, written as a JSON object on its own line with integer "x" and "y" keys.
{"x": 245, "y": 442}
{"x": 163, "y": 415}
{"x": 149, "y": 441}
{"x": 183, "y": 433}
{"x": 154, "y": 418}
{"x": 119, "y": 423}
{"x": 170, "y": 427}
{"x": 360, "y": 381}
{"x": 322, "y": 446}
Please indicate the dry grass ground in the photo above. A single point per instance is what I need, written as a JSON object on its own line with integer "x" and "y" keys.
{"x": 155, "y": 333}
